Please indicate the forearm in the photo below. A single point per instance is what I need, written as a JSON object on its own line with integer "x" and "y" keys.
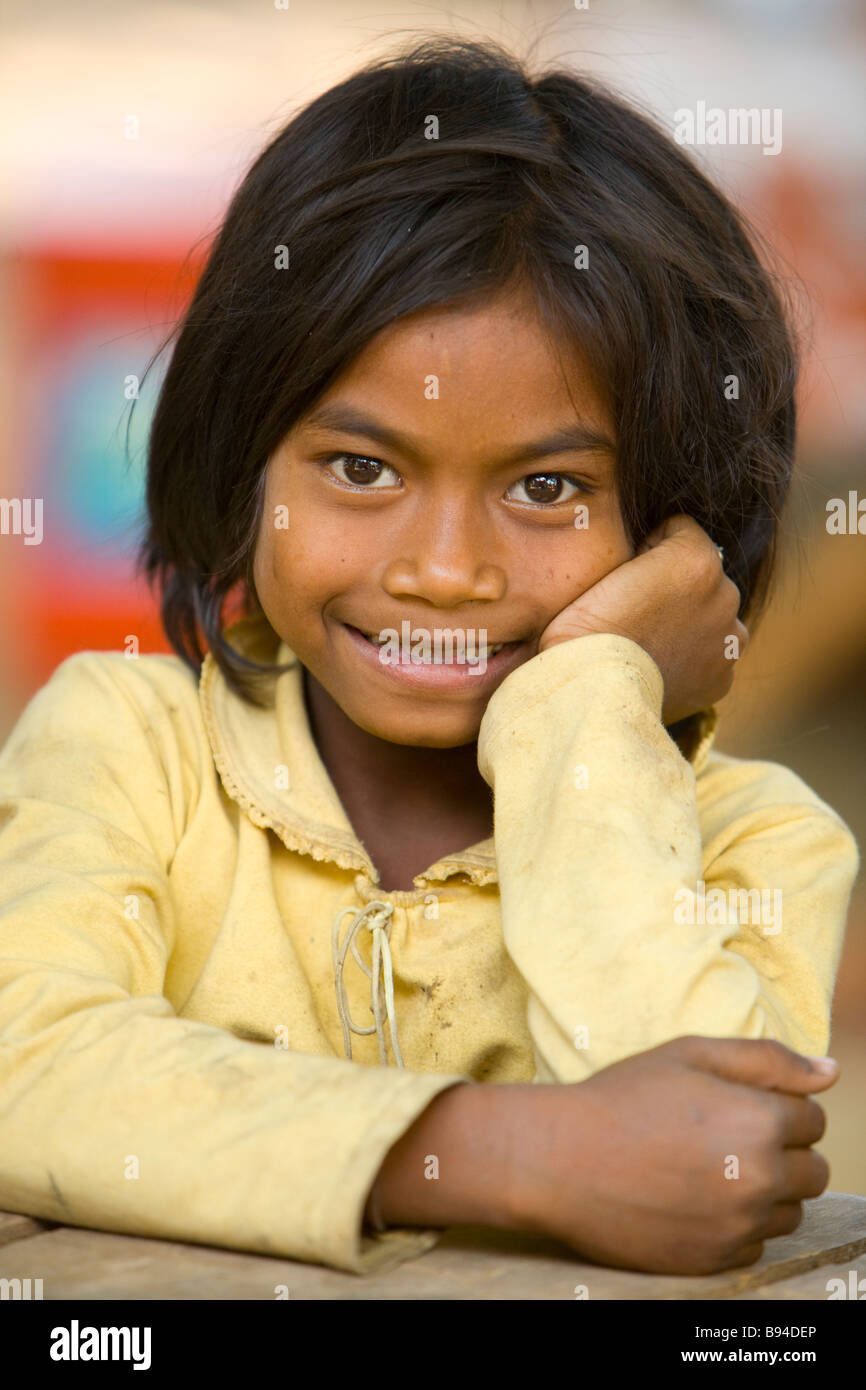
{"x": 600, "y": 873}
{"x": 474, "y": 1134}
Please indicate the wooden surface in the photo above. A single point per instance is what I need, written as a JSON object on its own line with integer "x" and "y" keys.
{"x": 13, "y": 1227}
{"x": 74, "y": 1263}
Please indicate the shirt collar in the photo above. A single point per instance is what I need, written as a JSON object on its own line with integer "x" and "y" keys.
{"x": 269, "y": 764}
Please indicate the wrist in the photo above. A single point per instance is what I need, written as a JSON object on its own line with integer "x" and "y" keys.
{"x": 558, "y": 1133}
{"x": 456, "y": 1165}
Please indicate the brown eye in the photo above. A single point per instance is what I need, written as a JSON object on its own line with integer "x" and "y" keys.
{"x": 358, "y": 470}
{"x": 547, "y": 487}
{"x": 362, "y": 470}
{"x": 543, "y": 487}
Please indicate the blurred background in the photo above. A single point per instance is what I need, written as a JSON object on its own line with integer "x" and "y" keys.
{"x": 128, "y": 127}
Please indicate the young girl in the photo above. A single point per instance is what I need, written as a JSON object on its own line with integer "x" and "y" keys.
{"x": 451, "y": 412}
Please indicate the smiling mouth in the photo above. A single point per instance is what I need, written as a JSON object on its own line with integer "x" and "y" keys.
{"x": 376, "y": 640}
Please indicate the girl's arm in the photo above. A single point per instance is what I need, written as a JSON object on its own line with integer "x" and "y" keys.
{"x": 676, "y": 1029}
{"x": 630, "y": 1168}
{"x": 606, "y": 843}
{"x": 115, "y": 1112}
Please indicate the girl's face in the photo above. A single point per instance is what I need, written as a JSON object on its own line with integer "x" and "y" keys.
{"x": 450, "y": 479}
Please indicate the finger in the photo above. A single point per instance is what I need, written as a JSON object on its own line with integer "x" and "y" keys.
{"x": 681, "y": 521}
{"x": 730, "y": 601}
{"x": 784, "y": 1218}
{"x": 746, "y": 1255}
{"x": 802, "y": 1121}
{"x": 680, "y": 524}
{"x": 742, "y": 634}
{"x": 804, "y": 1174}
{"x": 655, "y": 536}
{"x": 757, "y": 1062}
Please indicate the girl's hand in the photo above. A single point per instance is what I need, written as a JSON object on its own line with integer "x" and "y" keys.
{"x": 675, "y": 600}
{"x": 680, "y": 1160}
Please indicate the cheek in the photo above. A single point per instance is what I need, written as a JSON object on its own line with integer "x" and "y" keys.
{"x": 578, "y": 555}
{"x": 562, "y": 570}
{"x": 301, "y": 570}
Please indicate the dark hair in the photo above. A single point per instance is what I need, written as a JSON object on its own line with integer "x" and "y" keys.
{"x": 380, "y": 221}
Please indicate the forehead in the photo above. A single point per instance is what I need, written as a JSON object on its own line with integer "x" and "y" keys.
{"x": 491, "y": 357}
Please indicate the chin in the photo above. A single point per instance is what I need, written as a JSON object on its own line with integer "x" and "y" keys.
{"x": 419, "y": 731}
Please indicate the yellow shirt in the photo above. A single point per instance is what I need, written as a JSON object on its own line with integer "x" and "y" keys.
{"x": 172, "y": 864}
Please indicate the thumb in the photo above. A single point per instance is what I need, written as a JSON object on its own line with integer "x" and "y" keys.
{"x": 671, "y": 526}
{"x": 677, "y": 524}
{"x": 763, "y": 1062}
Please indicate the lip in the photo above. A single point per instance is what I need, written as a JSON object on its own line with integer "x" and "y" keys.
{"x": 441, "y": 676}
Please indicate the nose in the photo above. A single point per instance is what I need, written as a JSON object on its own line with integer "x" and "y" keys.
{"x": 442, "y": 559}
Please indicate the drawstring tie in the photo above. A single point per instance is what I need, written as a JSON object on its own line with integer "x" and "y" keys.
{"x": 376, "y": 916}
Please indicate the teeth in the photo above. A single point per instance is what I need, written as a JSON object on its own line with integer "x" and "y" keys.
{"x": 380, "y": 642}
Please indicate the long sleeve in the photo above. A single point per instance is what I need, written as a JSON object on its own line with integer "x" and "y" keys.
{"x": 623, "y": 876}
{"x": 115, "y": 1112}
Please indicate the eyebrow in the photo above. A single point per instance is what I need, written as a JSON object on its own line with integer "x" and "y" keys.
{"x": 570, "y": 439}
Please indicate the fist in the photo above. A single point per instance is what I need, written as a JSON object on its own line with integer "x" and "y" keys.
{"x": 674, "y": 599}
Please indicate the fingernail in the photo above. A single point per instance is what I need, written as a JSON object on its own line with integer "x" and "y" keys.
{"x": 824, "y": 1063}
